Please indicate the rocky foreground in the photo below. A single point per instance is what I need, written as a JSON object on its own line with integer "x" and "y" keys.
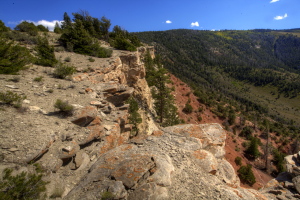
{"x": 92, "y": 153}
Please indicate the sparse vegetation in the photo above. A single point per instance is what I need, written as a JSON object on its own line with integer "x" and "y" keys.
{"x": 21, "y": 186}
{"x": 238, "y": 161}
{"x": 62, "y": 71}
{"x": 134, "y": 116}
{"x": 11, "y": 98}
{"x": 246, "y": 174}
{"x": 38, "y": 79}
{"x": 107, "y": 196}
{"x": 64, "y": 107}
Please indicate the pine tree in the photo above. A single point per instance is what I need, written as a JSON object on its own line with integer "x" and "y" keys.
{"x": 157, "y": 76}
{"x": 67, "y": 23}
{"x": 252, "y": 150}
{"x": 57, "y": 28}
{"x": 45, "y": 53}
{"x": 246, "y": 174}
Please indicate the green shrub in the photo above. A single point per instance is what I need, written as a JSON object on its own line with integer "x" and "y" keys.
{"x": 63, "y": 71}
{"x": 13, "y": 58}
{"x": 68, "y": 59}
{"x": 123, "y": 44}
{"x": 246, "y": 175}
{"x": 11, "y": 98}
{"x": 42, "y": 28}
{"x": 188, "y": 108}
{"x": 107, "y": 196}
{"x": 21, "y": 186}
{"x": 238, "y": 161}
{"x": 38, "y": 79}
{"x": 23, "y": 38}
{"x": 91, "y": 59}
{"x": 64, "y": 106}
{"x": 27, "y": 27}
{"x": 15, "y": 79}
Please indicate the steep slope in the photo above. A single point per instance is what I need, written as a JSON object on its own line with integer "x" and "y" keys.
{"x": 254, "y": 71}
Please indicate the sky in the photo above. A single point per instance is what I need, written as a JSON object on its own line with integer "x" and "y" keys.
{"x": 157, "y": 15}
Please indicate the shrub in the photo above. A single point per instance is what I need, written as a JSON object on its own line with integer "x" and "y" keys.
{"x": 68, "y": 59}
{"x": 123, "y": 44}
{"x": 22, "y": 186}
{"x": 15, "y": 79}
{"x": 107, "y": 196}
{"x": 62, "y": 71}
{"x": 91, "y": 59}
{"x": 64, "y": 107}
{"x": 188, "y": 108}
{"x": 27, "y": 27}
{"x": 238, "y": 161}
{"x": 38, "y": 79}
{"x": 42, "y": 28}
{"x": 13, "y": 58}
{"x": 246, "y": 175}
{"x": 11, "y": 98}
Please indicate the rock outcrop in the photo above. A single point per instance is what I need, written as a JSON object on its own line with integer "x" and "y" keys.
{"x": 92, "y": 153}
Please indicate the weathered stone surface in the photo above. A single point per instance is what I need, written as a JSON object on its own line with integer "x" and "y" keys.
{"x": 85, "y": 115}
{"x": 68, "y": 150}
{"x": 296, "y": 181}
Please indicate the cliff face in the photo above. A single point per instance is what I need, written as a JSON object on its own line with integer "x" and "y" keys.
{"x": 91, "y": 154}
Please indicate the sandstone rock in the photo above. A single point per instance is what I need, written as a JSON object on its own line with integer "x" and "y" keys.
{"x": 296, "y": 181}
{"x": 68, "y": 150}
{"x": 85, "y": 115}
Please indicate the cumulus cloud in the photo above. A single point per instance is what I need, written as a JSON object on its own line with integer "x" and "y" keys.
{"x": 49, "y": 24}
{"x": 281, "y": 17}
{"x": 193, "y": 24}
{"x": 273, "y": 1}
{"x": 169, "y": 22}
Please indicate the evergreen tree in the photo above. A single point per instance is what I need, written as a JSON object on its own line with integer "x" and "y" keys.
{"x": 134, "y": 116}
{"x": 45, "y": 53}
{"x": 57, "y": 28}
{"x": 67, "y": 23}
{"x": 246, "y": 174}
{"x": 104, "y": 27}
{"x": 3, "y": 28}
{"x": 157, "y": 76}
{"x": 252, "y": 150}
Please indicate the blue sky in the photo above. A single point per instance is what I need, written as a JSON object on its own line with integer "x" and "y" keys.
{"x": 138, "y": 15}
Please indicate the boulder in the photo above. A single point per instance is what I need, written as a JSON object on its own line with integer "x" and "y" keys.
{"x": 84, "y": 116}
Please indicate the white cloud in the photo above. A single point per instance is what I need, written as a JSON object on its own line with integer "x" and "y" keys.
{"x": 169, "y": 22}
{"x": 193, "y": 24}
{"x": 49, "y": 24}
{"x": 273, "y": 1}
{"x": 281, "y": 17}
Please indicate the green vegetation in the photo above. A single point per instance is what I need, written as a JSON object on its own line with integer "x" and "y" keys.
{"x": 252, "y": 150}
{"x": 64, "y": 107}
{"x": 238, "y": 161}
{"x": 13, "y": 58}
{"x": 279, "y": 160}
{"x": 107, "y": 196}
{"x": 251, "y": 74}
{"x": 38, "y": 79}
{"x": 188, "y": 108}
{"x": 134, "y": 116}
{"x": 62, "y": 71}
{"x": 246, "y": 175}
{"x": 11, "y": 98}
{"x": 164, "y": 101}
{"x": 21, "y": 186}
{"x": 27, "y": 27}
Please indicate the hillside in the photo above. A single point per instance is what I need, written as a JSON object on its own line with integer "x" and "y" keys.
{"x": 82, "y": 119}
{"x": 255, "y": 71}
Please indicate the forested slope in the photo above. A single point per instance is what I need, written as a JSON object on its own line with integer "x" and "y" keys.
{"x": 257, "y": 72}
